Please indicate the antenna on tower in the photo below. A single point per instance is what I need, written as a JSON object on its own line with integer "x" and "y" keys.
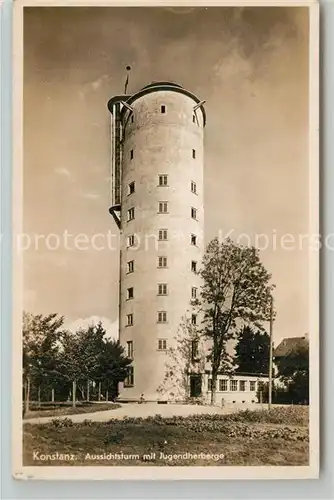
{"x": 128, "y": 68}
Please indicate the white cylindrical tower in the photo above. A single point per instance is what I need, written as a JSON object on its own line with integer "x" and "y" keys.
{"x": 158, "y": 165}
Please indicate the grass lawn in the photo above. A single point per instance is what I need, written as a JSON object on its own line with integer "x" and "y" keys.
{"x": 227, "y": 441}
{"x": 67, "y": 409}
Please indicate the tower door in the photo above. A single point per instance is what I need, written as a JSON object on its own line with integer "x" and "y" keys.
{"x": 195, "y": 386}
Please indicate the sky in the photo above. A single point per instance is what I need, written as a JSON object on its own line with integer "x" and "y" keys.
{"x": 251, "y": 67}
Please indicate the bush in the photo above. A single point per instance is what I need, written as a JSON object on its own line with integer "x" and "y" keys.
{"x": 65, "y": 422}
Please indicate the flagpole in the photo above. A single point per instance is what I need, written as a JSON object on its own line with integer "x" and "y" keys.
{"x": 128, "y": 68}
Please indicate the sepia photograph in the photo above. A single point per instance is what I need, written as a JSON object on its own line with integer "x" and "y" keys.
{"x": 166, "y": 241}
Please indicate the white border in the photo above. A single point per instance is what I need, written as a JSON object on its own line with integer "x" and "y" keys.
{"x": 161, "y": 472}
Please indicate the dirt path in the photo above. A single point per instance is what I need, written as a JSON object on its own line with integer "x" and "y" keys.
{"x": 143, "y": 410}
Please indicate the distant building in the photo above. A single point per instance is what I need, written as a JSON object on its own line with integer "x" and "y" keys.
{"x": 238, "y": 388}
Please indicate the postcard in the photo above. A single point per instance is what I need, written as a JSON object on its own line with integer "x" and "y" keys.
{"x": 166, "y": 240}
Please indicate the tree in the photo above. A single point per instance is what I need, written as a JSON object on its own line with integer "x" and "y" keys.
{"x": 40, "y": 350}
{"x": 113, "y": 366}
{"x": 293, "y": 370}
{"x": 252, "y": 351}
{"x": 235, "y": 291}
{"x": 186, "y": 356}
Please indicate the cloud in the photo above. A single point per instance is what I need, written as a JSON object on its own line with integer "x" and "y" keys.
{"x": 63, "y": 172}
{"x": 111, "y": 327}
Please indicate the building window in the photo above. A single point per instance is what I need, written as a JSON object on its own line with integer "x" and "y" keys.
{"x": 194, "y": 153}
{"x": 129, "y": 320}
{"x": 194, "y": 118}
{"x": 131, "y": 213}
{"x": 131, "y": 188}
{"x": 223, "y": 385}
{"x": 163, "y": 180}
{"x": 163, "y": 109}
{"x": 131, "y": 154}
{"x": 252, "y": 385}
{"x": 193, "y": 319}
{"x": 163, "y": 207}
{"x": 163, "y": 234}
{"x": 129, "y": 293}
{"x": 162, "y": 289}
{"x": 233, "y": 385}
{"x": 193, "y": 292}
{"x": 132, "y": 118}
{"x": 162, "y": 344}
{"x": 129, "y": 349}
{"x": 193, "y": 187}
{"x": 193, "y": 239}
{"x": 193, "y": 213}
{"x": 194, "y": 266}
{"x": 162, "y": 261}
{"x": 194, "y": 349}
{"x": 129, "y": 381}
{"x": 131, "y": 266}
{"x": 131, "y": 240}
{"x": 242, "y": 385}
{"x": 210, "y": 384}
{"x": 162, "y": 317}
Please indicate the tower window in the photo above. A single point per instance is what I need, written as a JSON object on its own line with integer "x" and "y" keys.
{"x": 162, "y": 316}
{"x": 162, "y": 289}
{"x": 193, "y": 319}
{"x": 193, "y": 187}
{"x": 131, "y": 154}
{"x": 194, "y": 118}
{"x": 129, "y": 381}
{"x": 194, "y": 349}
{"x": 131, "y": 188}
{"x": 163, "y": 180}
{"x": 194, "y": 266}
{"x": 193, "y": 213}
{"x": 193, "y": 239}
{"x": 132, "y": 118}
{"x": 194, "y": 292}
{"x": 163, "y": 234}
{"x": 131, "y": 213}
{"x": 194, "y": 153}
{"x": 162, "y": 261}
{"x": 162, "y": 344}
{"x": 163, "y": 207}
{"x": 129, "y": 319}
{"x": 129, "y": 349}
{"x": 131, "y": 240}
{"x": 129, "y": 293}
{"x": 163, "y": 109}
{"x": 131, "y": 266}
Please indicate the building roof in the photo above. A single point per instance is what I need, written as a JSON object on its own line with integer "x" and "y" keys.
{"x": 289, "y": 345}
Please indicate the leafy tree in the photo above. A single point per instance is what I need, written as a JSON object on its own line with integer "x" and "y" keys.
{"x": 293, "y": 370}
{"x": 40, "y": 350}
{"x": 252, "y": 351}
{"x": 113, "y": 366}
{"x": 235, "y": 290}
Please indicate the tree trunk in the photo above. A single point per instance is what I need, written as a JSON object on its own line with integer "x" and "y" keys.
{"x": 214, "y": 387}
{"x": 52, "y": 395}
{"x": 107, "y": 396}
{"x": 99, "y": 396}
{"x": 88, "y": 395}
{"x": 27, "y": 396}
{"x": 39, "y": 396}
{"x": 74, "y": 393}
